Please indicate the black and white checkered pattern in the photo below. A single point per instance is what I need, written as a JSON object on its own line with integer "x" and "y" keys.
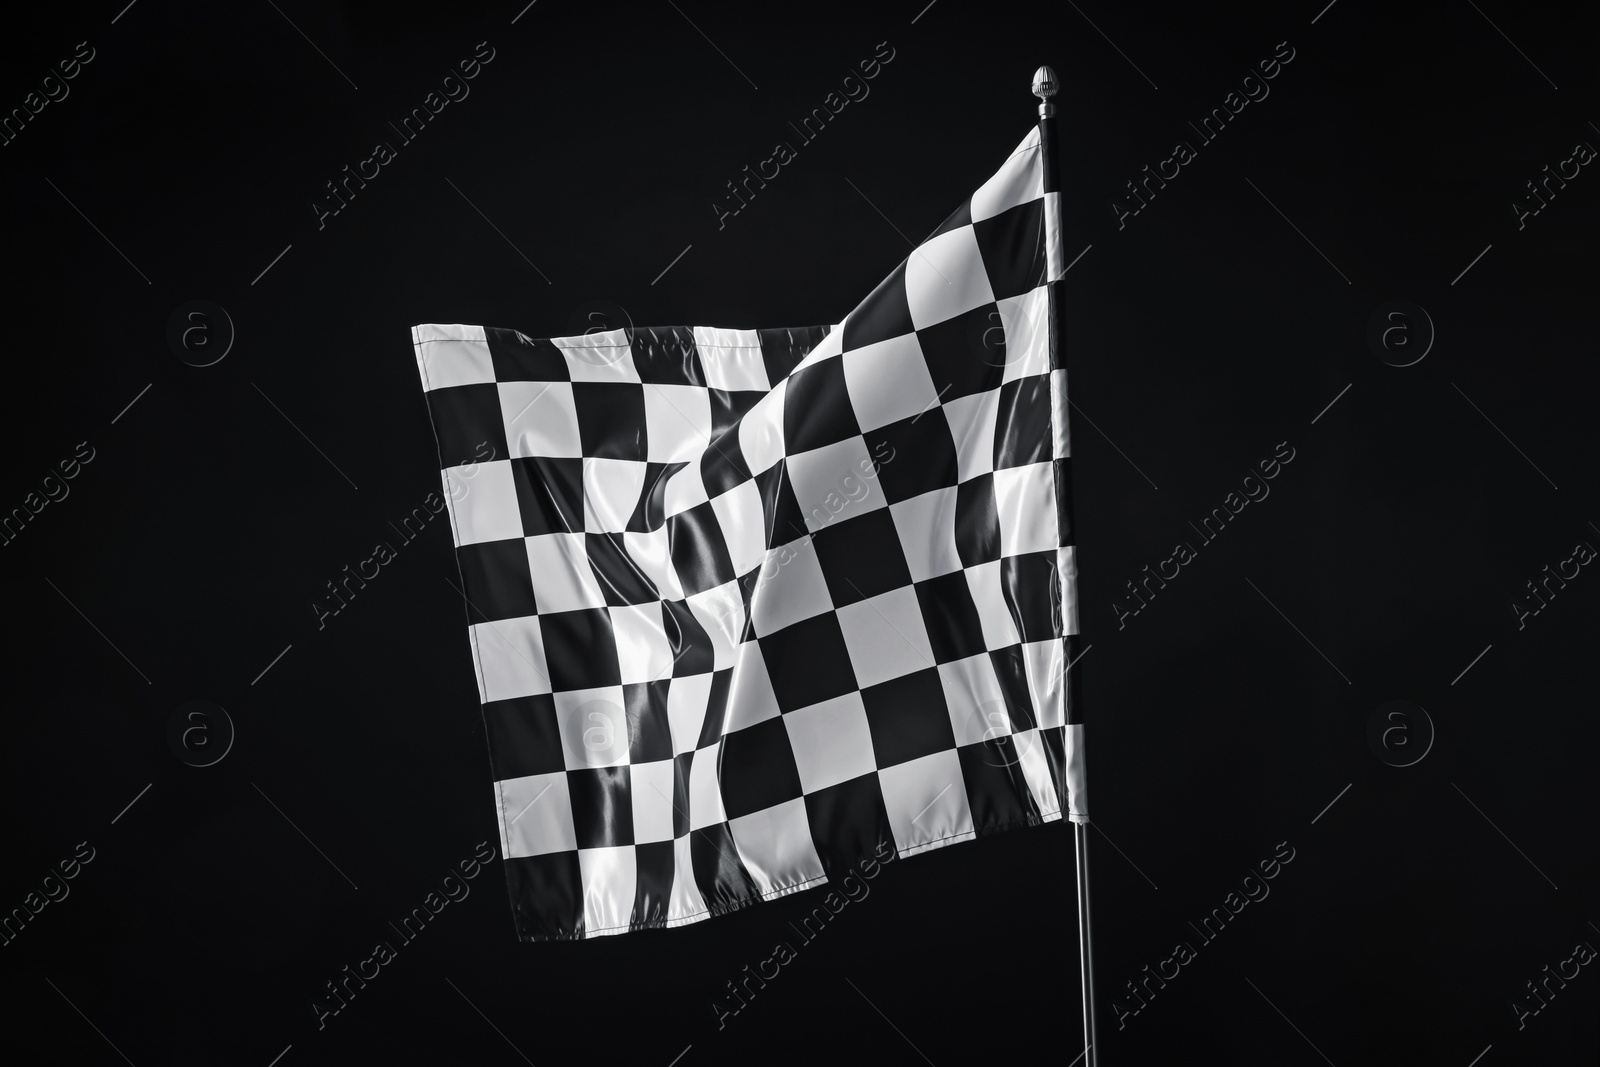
{"x": 745, "y": 603}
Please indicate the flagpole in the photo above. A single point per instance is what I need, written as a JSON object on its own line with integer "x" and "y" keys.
{"x": 1044, "y": 87}
{"x": 1085, "y": 950}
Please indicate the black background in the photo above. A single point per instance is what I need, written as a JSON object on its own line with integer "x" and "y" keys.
{"x": 1201, "y": 334}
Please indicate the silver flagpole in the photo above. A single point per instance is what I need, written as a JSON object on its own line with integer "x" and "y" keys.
{"x": 1044, "y": 87}
{"x": 1085, "y": 949}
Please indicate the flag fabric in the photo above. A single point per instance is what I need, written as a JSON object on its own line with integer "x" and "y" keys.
{"x": 745, "y": 604}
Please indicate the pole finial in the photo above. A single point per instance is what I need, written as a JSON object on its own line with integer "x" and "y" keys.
{"x": 1044, "y": 87}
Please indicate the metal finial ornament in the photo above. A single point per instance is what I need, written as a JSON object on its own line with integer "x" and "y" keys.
{"x": 1044, "y": 87}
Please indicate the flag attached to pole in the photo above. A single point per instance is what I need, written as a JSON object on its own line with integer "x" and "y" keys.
{"x": 745, "y": 605}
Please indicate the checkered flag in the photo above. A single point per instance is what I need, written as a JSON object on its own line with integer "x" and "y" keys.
{"x": 744, "y": 604}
